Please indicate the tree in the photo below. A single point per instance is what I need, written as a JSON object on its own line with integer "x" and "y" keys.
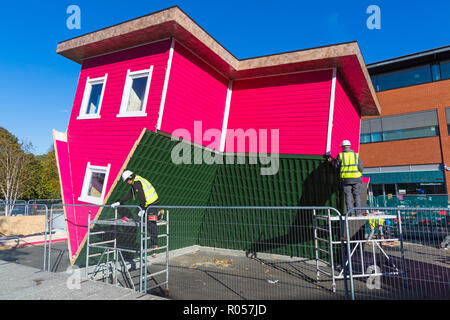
{"x": 15, "y": 167}
{"x": 49, "y": 177}
{"x": 33, "y": 188}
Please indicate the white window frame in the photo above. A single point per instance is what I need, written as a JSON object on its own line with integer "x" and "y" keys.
{"x": 86, "y": 95}
{"x": 87, "y": 179}
{"x": 127, "y": 90}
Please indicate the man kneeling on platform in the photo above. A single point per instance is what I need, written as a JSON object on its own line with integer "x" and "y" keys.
{"x": 147, "y": 197}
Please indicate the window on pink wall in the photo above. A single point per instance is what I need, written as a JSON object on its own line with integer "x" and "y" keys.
{"x": 94, "y": 184}
{"x": 92, "y": 98}
{"x": 135, "y": 93}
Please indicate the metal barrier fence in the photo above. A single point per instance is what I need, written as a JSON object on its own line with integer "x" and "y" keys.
{"x": 122, "y": 238}
{"x": 99, "y": 233}
{"x": 254, "y": 253}
{"x": 22, "y": 207}
{"x": 31, "y": 209}
{"x": 118, "y": 246}
{"x": 265, "y": 252}
{"x": 16, "y": 235}
{"x": 17, "y": 207}
{"x": 404, "y": 256}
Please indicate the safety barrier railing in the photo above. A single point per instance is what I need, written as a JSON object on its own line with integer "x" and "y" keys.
{"x": 23, "y": 235}
{"x": 157, "y": 218}
{"x": 12, "y": 208}
{"x": 31, "y": 209}
{"x": 266, "y": 252}
{"x": 97, "y": 246}
{"x": 329, "y": 230}
{"x": 107, "y": 237}
{"x": 116, "y": 250}
{"x": 254, "y": 252}
{"x": 27, "y": 207}
{"x": 400, "y": 253}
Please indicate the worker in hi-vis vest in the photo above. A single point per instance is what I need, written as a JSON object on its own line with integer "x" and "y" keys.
{"x": 147, "y": 197}
{"x": 377, "y": 225}
{"x": 350, "y": 169}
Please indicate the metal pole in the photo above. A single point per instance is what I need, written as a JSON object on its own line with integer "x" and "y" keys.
{"x": 88, "y": 242}
{"x": 140, "y": 253}
{"x": 330, "y": 234}
{"x": 45, "y": 240}
{"x": 146, "y": 249}
{"x": 167, "y": 250}
{"x": 116, "y": 257}
{"x": 50, "y": 241}
{"x": 352, "y": 289}
{"x": 344, "y": 265}
{"x": 400, "y": 230}
{"x": 114, "y": 277}
{"x": 316, "y": 245}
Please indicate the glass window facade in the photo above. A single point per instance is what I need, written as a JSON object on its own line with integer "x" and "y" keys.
{"x": 447, "y": 113}
{"x": 435, "y": 71}
{"x": 403, "y": 78}
{"x": 407, "y": 188}
{"x": 400, "y": 127}
{"x": 410, "y": 133}
{"x": 408, "y": 195}
{"x": 445, "y": 69}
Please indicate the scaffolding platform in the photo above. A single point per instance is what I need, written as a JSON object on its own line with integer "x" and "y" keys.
{"x": 111, "y": 262}
{"x": 332, "y": 241}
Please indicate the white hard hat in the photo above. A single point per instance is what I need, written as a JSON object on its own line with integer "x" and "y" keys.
{"x": 126, "y": 175}
{"x": 346, "y": 143}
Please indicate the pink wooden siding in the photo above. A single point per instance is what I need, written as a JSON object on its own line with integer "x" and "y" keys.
{"x": 62, "y": 150}
{"x": 108, "y": 140}
{"x": 196, "y": 92}
{"x": 297, "y": 104}
{"x": 346, "y": 120}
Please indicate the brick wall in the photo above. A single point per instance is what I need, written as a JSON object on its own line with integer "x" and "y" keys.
{"x": 429, "y": 96}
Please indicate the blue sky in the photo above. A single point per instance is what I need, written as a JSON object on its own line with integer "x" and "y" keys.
{"x": 37, "y": 86}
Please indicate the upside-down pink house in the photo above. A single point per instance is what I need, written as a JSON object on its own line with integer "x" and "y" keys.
{"x": 163, "y": 72}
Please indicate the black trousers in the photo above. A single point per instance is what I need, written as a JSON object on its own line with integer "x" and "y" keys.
{"x": 151, "y": 225}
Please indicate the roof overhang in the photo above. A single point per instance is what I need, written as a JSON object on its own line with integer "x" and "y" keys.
{"x": 173, "y": 22}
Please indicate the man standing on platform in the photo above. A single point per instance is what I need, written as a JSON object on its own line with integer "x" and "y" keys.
{"x": 350, "y": 169}
{"x": 147, "y": 197}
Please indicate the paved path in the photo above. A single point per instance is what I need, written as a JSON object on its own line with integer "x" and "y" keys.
{"x": 19, "y": 282}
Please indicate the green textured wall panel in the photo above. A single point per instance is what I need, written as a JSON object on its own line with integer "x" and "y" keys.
{"x": 301, "y": 180}
{"x": 176, "y": 185}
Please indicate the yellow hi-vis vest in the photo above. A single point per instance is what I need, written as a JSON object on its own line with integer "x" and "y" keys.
{"x": 149, "y": 191}
{"x": 349, "y": 165}
{"x": 375, "y": 223}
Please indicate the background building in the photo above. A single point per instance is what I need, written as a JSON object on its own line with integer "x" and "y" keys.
{"x": 406, "y": 150}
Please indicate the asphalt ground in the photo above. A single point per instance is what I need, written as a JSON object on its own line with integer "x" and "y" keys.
{"x": 33, "y": 256}
{"x": 217, "y": 274}
{"x": 20, "y": 282}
